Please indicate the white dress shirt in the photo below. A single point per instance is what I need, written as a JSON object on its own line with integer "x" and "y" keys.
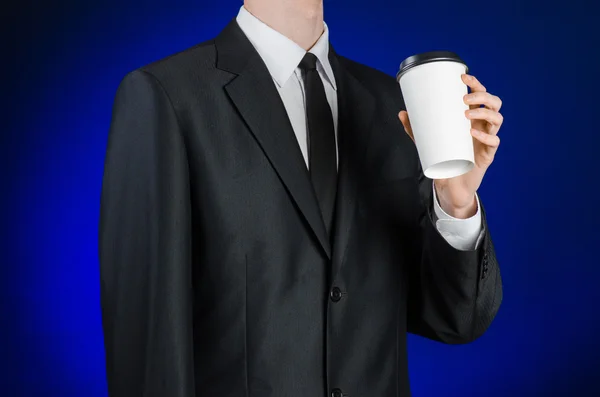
{"x": 282, "y": 57}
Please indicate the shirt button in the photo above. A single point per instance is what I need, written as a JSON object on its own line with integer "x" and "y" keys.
{"x": 336, "y": 295}
{"x": 336, "y": 393}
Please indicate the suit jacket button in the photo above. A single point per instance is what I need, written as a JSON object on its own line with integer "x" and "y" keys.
{"x": 336, "y": 295}
{"x": 336, "y": 393}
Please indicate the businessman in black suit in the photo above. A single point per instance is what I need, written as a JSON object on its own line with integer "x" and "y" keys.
{"x": 266, "y": 229}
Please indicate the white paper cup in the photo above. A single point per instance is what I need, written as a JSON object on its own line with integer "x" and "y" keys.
{"x": 433, "y": 93}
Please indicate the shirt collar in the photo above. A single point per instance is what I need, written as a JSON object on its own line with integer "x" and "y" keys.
{"x": 280, "y": 54}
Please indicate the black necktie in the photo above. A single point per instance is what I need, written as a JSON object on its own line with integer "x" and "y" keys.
{"x": 321, "y": 137}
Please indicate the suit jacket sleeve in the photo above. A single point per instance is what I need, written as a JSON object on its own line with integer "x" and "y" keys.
{"x": 145, "y": 247}
{"x": 453, "y": 295}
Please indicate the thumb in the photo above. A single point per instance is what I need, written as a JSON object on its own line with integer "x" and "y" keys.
{"x": 403, "y": 116}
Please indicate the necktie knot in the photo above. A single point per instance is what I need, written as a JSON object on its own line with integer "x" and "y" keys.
{"x": 309, "y": 62}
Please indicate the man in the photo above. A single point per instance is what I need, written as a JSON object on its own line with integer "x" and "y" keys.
{"x": 266, "y": 229}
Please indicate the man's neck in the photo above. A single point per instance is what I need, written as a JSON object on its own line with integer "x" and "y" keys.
{"x": 299, "y": 20}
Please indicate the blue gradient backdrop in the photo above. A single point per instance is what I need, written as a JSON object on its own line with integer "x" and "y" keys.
{"x": 63, "y": 61}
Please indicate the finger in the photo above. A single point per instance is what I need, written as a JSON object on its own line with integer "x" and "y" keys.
{"x": 405, "y": 120}
{"x": 483, "y": 98}
{"x": 489, "y": 140}
{"x": 473, "y": 83}
{"x": 494, "y": 118}
{"x": 403, "y": 115}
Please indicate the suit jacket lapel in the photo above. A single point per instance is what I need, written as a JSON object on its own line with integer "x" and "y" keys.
{"x": 356, "y": 111}
{"x": 255, "y": 96}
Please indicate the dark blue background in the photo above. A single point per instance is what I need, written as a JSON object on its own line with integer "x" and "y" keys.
{"x": 63, "y": 61}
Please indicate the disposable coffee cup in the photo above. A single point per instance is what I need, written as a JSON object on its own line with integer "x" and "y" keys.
{"x": 433, "y": 93}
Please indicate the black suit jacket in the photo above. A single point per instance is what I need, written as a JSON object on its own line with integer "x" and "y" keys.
{"x": 217, "y": 276}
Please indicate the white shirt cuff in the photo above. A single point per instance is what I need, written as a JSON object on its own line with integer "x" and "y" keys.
{"x": 461, "y": 234}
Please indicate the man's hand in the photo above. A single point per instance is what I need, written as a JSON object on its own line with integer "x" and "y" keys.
{"x": 457, "y": 195}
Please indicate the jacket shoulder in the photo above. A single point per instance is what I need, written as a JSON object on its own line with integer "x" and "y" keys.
{"x": 191, "y": 60}
{"x": 381, "y": 84}
{"x": 181, "y": 75}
